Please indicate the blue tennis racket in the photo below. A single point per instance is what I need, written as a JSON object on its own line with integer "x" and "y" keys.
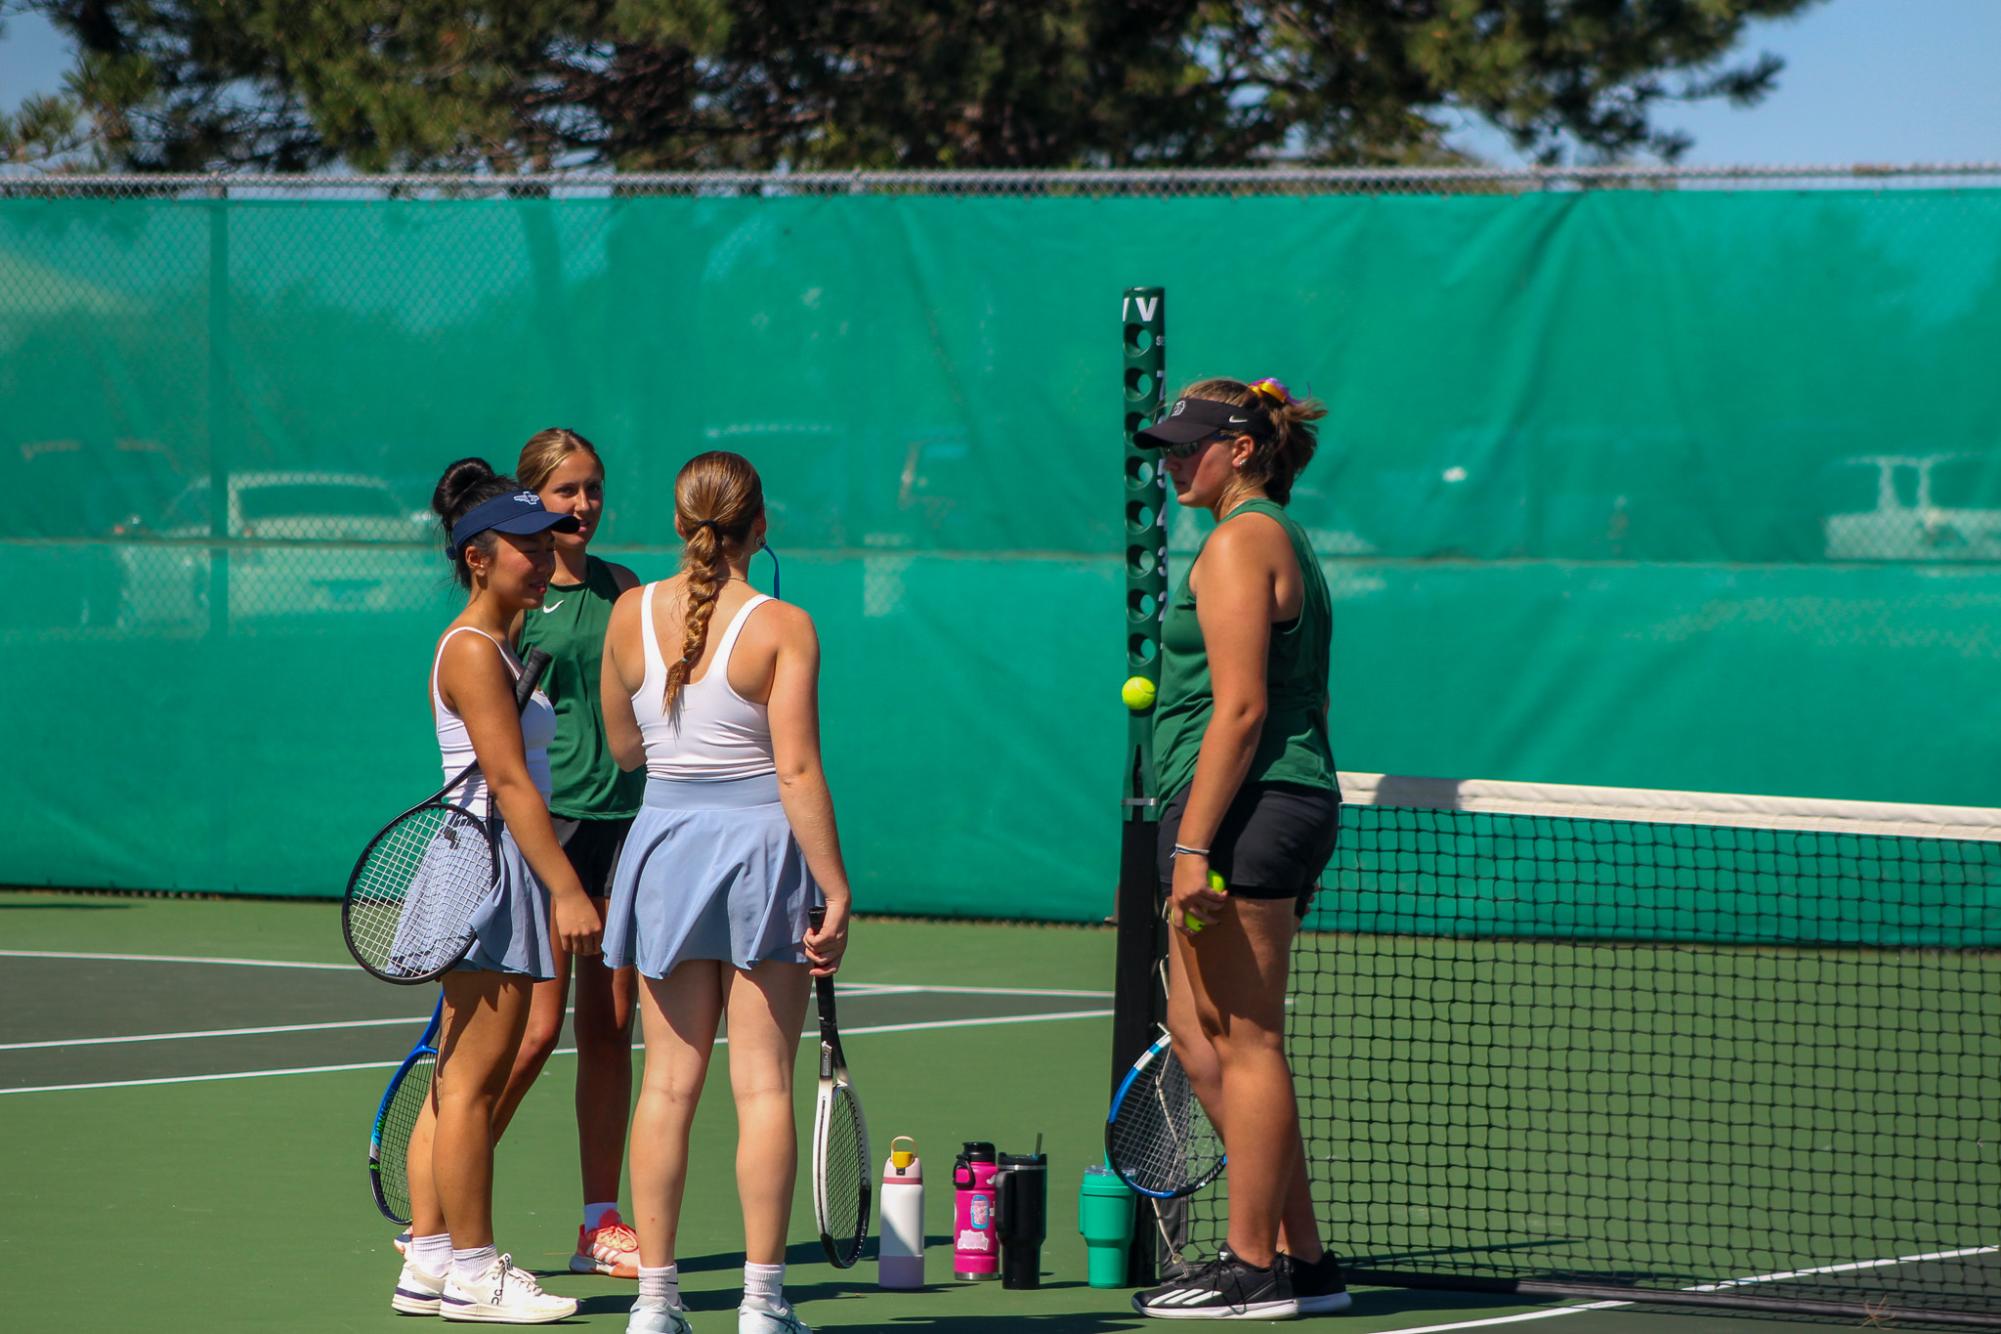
{"x": 395, "y": 1118}
{"x": 1157, "y": 1137}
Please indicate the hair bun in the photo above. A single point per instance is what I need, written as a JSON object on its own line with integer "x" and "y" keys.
{"x": 448, "y": 501}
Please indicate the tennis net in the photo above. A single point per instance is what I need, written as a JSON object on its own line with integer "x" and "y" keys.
{"x": 1671, "y": 1047}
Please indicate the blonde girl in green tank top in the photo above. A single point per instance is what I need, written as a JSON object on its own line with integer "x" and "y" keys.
{"x": 593, "y": 803}
{"x": 1241, "y": 744}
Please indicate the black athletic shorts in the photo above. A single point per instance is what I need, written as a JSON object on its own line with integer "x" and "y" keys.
{"x": 1274, "y": 841}
{"x": 593, "y": 847}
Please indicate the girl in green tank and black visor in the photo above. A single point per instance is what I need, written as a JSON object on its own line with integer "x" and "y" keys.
{"x": 593, "y": 804}
{"x": 1240, "y": 740}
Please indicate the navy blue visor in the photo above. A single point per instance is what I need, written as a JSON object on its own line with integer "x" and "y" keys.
{"x": 519, "y": 512}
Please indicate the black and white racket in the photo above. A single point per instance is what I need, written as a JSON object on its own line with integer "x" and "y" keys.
{"x": 407, "y": 915}
{"x": 395, "y": 1117}
{"x": 840, "y": 1144}
{"x": 1157, "y": 1137}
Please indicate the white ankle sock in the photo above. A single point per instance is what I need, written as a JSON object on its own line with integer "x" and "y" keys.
{"x": 472, "y": 1263}
{"x": 433, "y": 1255}
{"x": 663, "y": 1283}
{"x": 594, "y": 1214}
{"x": 765, "y": 1281}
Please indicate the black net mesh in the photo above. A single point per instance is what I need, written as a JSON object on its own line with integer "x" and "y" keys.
{"x": 1689, "y": 1057}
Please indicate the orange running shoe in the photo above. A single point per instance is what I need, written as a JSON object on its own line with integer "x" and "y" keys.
{"x": 609, "y": 1248}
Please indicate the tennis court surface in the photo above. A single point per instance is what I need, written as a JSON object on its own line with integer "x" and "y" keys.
{"x": 188, "y": 1129}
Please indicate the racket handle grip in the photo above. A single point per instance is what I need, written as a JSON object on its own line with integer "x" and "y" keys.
{"x": 533, "y": 664}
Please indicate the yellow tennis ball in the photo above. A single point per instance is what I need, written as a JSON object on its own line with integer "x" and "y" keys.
{"x": 1216, "y": 883}
{"x": 1138, "y": 693}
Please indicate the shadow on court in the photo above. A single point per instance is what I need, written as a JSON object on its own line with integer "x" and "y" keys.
{"x": 205, "y": 1100}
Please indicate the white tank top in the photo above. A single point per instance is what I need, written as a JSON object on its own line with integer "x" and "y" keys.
{"x": 538, "y": 729}
{"x": 714, "y": 733}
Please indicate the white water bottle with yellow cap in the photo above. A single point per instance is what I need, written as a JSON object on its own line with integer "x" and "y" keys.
{"x": 900, "y": 1243}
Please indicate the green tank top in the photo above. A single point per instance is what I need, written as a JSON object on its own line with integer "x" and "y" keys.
{"x": 1293, "y": 748}
{"x": 569, "y": 626}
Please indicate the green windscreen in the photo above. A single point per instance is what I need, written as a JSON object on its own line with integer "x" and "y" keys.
{"x": 1694, "y": 489}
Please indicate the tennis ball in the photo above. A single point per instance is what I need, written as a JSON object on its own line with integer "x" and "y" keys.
{"x": 1216, "y": 884}
{"x": 1138, "y": 693}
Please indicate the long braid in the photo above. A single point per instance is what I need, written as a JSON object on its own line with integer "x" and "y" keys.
{"x": 717, "y": 500}
{"x": 708, "y": 570}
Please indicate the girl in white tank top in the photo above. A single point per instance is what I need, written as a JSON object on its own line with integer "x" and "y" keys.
{"x": 538, "y": 729}
{"x": 713, "y": 733}
{"x": 731, "y": 852}
{"x": 500, "y": 544}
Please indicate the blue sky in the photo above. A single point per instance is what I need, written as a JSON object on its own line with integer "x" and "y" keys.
{"x": 1865, "y": 81}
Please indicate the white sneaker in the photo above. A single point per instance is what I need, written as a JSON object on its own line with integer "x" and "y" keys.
{"x": 758, "y": 1316}
{"x": 417, "y": 1292}
{"x": 652, "y": 1315}
{"x": 503, "y": 1295}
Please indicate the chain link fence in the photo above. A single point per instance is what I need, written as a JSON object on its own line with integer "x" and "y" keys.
{"x": 1123, "y": 182}
{"x": 1720, "y": 437}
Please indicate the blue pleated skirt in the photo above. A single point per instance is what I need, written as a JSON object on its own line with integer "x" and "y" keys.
{"x": 709, "y": 871}
{"x": 511, "y": 925}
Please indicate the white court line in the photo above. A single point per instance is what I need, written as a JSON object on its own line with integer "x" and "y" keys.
{"x": 854, "y": 988}
{"x": 1850, "y": 1267}
{"x": 419, "y": 1020}
{"x": 915, "y": 988}
{"x": 206, "y": 1079}
{"x": 1845, "y": 1268}
{"x": 175, "y": 958}
{"x": 1504, "y": 1319}
{"x": 975, "y": 1023}
{"x": 561, "y": 1051}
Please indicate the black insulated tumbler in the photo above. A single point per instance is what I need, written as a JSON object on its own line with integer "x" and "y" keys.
{"x": 1021, "y": 1200}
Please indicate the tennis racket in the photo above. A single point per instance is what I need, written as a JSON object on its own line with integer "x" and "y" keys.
{"x": 1157, "y": 1137}
{"x": 395, "y": 1118}
{"x": 840, "y": 1144}
{"x": 407, "y": 914}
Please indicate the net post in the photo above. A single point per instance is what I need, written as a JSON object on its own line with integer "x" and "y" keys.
{"x": 1139, "y": 1003}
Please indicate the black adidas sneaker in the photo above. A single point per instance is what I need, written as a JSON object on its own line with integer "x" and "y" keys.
{"x": 1224, "y": 1289}
{"x": 1319, "y": 1287}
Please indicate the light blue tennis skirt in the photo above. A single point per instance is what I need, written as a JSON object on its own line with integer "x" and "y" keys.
{"x": 709, "y": 871}
{"x": 511, "y": 925}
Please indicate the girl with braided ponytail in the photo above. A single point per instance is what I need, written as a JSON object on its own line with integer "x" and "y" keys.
{"x": 1241, "y": 743}
{"x": 714, "y": 687}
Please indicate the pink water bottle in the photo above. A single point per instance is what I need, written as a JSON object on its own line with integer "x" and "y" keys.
{"x": 975, "y": 1243}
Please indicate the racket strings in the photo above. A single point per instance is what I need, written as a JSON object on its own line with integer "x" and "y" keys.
{"x": 393, "y": 1134}
{"x": 411, "y": 901}
{"x": 1161, "y": 1140}
{"x": 844, "y": 1172}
